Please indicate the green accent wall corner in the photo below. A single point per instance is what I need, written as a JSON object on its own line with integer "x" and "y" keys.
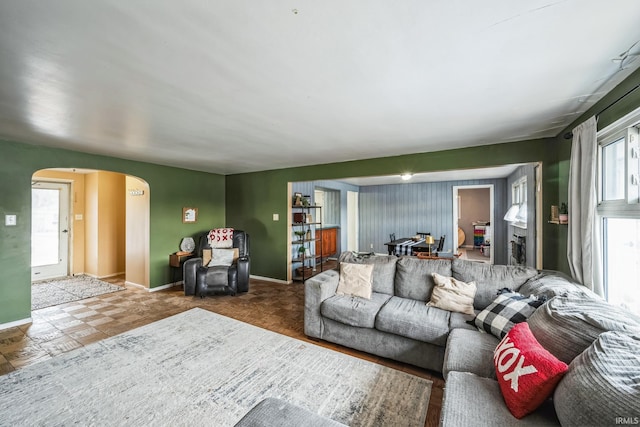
{"x": 170, "y": 188}
{"x": 252, "y": 198}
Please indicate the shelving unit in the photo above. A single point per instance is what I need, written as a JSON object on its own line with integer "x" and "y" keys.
{"x": 305, "y": 259}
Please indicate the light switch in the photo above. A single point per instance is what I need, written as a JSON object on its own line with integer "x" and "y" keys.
{"x": 10, "y": 220}
{"x": 276, "y": 217}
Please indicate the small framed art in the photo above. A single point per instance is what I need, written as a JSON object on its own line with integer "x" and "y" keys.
{"x": 189, "y": 215}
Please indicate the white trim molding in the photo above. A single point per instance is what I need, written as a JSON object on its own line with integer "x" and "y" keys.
{"x": 136, "y": 285}
{"x": 270, "y": 279}
{"x": 15, "y": 323}
{"x": 160, "y": 288}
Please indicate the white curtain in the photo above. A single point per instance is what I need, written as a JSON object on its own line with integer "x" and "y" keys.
{"x": 583, "y": 245}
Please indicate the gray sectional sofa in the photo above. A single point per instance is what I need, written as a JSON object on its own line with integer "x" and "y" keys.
{"x": 396, "y": 323}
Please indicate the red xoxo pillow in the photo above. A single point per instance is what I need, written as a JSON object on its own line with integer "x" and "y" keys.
{"x": 527, "y": 372}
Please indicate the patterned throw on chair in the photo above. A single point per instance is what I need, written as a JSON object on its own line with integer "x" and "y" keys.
{"x": 221, "y": 238}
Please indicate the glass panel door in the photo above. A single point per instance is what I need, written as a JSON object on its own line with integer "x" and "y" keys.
{"x": 49, "y": 230}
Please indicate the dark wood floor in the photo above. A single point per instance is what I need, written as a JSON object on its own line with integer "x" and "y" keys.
{"x": 273, "y": 306}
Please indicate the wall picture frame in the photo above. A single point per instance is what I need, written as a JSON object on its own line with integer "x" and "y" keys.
{"x": 189, "y": 215}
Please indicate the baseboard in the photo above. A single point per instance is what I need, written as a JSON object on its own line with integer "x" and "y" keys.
{"x": 137, "y": 285}
{"x": 160, "y": 288}
{"x": 15, "y": 323}
{"x": 270, "y": 279}
{"x": 95, "y": 276}
{"x": 111, "y": 275}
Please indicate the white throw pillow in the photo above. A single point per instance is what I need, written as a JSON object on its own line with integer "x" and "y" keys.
{"x": 355, "y": 280}
{"x": 452, "y": 294}
{"x": 222, "y": 257}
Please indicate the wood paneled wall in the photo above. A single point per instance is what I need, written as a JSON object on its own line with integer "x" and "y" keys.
{"x": 340, "y": 213}
{"x": 405, "y": 209}
{"x": 530, "y": 231}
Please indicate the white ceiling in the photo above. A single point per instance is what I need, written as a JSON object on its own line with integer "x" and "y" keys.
{"x": 237, "y": 86}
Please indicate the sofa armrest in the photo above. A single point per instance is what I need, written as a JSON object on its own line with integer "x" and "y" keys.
{"x": 189, "y": 269}
{"x": 316, "y": 290}
{"x": 243, "y": 266}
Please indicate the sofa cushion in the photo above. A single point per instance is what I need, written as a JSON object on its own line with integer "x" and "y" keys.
{"x": 355, "y": 280}
{"x": 354, "y": 311}
{"x": 470, "y": 400}
{"x": 490, "y": 278}
{"x": 602, "y": 384}
{"x": 414, "y": 319}
{"x": 505, "y": 311}
{"x": 470, "y": 351}
{"x": 413, "y": 276}
{"x": 566, "y": 326}
{"x": 384, "y": 269}
{"x": 550, "y": 283}
{"x": 527, "y": 373}
{"x": 452, "y": 295}
{"x": 462, "y": 321}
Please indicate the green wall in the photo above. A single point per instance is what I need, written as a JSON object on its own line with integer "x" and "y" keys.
{"x": 253, "y": 198}
{"x": 614, "y": 111}
{"x": 170, "y": 190}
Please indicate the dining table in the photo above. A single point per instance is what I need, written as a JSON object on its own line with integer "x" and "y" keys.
{"x": 409, "y": 246}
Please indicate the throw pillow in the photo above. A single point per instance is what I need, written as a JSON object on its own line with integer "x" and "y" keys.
{"x": 452, "y": 294}
{"x": 527, "y": 373}
{"x": 505, "y": 311}
{"x": 355, "y": 280}
{"x": 220, "y": 238}
{"x": 221, "y": 257}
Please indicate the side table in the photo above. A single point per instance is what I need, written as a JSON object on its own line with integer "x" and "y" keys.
{"x": 176, "y": 260}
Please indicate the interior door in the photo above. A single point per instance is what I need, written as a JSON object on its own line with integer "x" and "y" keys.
{"x": 49, "y": 230}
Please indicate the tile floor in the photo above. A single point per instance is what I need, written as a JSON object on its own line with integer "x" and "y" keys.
{"x": 277, "y": 307}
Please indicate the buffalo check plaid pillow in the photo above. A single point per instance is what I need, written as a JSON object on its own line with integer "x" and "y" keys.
{"x": 505, "y": 311}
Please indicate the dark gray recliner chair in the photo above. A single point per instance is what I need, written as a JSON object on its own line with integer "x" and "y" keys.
{"x": 202, "y": 280}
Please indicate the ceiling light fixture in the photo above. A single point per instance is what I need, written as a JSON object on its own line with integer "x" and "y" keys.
{"x": 406, "y": 176}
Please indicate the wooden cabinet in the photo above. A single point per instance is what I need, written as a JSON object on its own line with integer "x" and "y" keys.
{"x": 327, "y": 242}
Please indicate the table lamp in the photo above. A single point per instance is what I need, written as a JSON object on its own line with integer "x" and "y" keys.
{"x": 429, "y": 241}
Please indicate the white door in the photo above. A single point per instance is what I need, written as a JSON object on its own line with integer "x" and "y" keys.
{"x": 49, "y": 230}
{"x": 352, "y": 221}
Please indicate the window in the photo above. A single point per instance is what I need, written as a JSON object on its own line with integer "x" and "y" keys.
{"x": 519, "y": 191}
{"x": 517, "y": 214}
{"x": 619, "y": 212}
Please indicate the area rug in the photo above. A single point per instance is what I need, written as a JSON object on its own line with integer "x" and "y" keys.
{"x": 201, "y": 368}
{"x": 475, "y": 255}
{"x": 72, "y": 288}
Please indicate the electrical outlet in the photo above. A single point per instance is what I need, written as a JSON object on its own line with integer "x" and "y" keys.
{"x": 10, "y": 220}
{"x": 372, "y": 246}
{"x": 276, "y": 217}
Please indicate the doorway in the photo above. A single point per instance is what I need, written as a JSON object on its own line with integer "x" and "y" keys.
{"x": 107, "y": 225}
{"x": 473, "y": 217}
{"x": 49, "y": 230}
